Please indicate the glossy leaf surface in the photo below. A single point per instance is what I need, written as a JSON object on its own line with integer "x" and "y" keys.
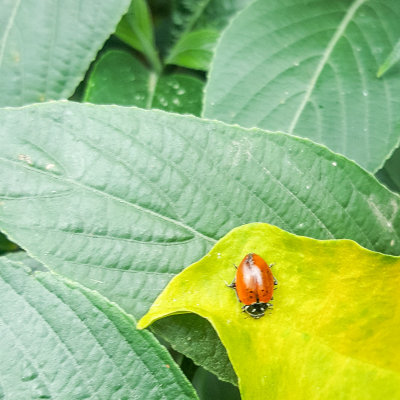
{"x": 119, "y": 78}
{"x": 334, "y": 331}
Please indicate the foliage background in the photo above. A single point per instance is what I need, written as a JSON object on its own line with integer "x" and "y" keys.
{"x": 119, "y": 200}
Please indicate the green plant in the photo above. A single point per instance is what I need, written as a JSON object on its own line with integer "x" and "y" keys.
{"x": 203, "y": 117}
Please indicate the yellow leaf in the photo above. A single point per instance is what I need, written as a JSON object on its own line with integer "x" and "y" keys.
{"x": 334, "y": 332}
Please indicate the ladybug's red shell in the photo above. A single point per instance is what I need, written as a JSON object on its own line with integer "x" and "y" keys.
{"x": 254, "y": 280}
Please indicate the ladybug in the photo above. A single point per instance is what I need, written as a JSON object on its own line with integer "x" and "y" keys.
{"x": 254, "y": 285}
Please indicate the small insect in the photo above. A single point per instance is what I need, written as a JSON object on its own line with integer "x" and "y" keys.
{"x": 254, "y": 285}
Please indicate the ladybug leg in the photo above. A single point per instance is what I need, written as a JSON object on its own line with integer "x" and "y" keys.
{"x": 235, "y": 266}
{"x": 271, "y": 265}
{"x": 232, "y": 284}
{"x": 275, "y": 282}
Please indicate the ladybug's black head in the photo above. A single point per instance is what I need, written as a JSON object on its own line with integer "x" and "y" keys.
{"x": 256, "y": 310}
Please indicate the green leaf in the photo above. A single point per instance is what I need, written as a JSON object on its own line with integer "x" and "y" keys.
{"x": 61, "y": 340}
{"x": 194, "y": 49}
{"x": 121, "y": 199}
{"x": 390, "y": 173}
{"x": 119, "y": 78}
{"x": 209, "y": 387}
{"x": 310, "y": 69}
{"x": 185, "y": 15}
{"x": 6, "y": 245}
{"x": 188, "y": 15}
{"x": 179, "y": 93}
{"x": 334, "y": 329}
{"x": 136, "y": 29}
{"x": 392, "y": 59}
{"x": 45, "y": 50}
{"x": 196, "y": 29}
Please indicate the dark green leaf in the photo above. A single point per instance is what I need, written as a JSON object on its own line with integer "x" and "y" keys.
{"x": 136, "y": 29}
{"x": 119, "y": 78}
{"x": 6, "y": 245}
{"x": 208, "y": 387}
{"x": 390, "y": 173}
{"x": 188, "y": 15}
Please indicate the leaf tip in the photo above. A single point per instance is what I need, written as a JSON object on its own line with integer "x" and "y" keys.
{"x": 144, "y": 322}
{"x": 380, "y": 71}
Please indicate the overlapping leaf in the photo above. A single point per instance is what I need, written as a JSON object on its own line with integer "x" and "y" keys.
{"x": 196, "y": 28}
{"x": 47, "y": 46}
{"x": 121, "y": 199}
{"x": 390, "y": 173}
{"x": 310, "y": 69}
{"x": 119, "y": 78}
{"x": 60, "y": 340}
{"x": 136, "y": 29}
{"x": 334, "y": 331}
{"x": 6, "y": 245}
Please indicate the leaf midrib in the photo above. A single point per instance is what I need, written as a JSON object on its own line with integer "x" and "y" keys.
{"x": 325, "y": 56}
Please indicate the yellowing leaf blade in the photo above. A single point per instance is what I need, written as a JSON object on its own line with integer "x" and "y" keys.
{"x": 334, "y": 331}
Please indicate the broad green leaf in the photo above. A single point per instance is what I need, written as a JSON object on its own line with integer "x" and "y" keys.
{"x": 119, "y": 78}
{"x": 194, "y": 49}
{"x": 47, "y": 46}
{"x": 60, "y": 340}
{"x": 392, "y": 59}
{"x": 334, "y": 331}
{"x": 310, "y": 69}
{"x": 121, "y": 199}
{"x": 136, "y": 29}
{"x": 390, "y": 173}
{"x": 6, "y": 245}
